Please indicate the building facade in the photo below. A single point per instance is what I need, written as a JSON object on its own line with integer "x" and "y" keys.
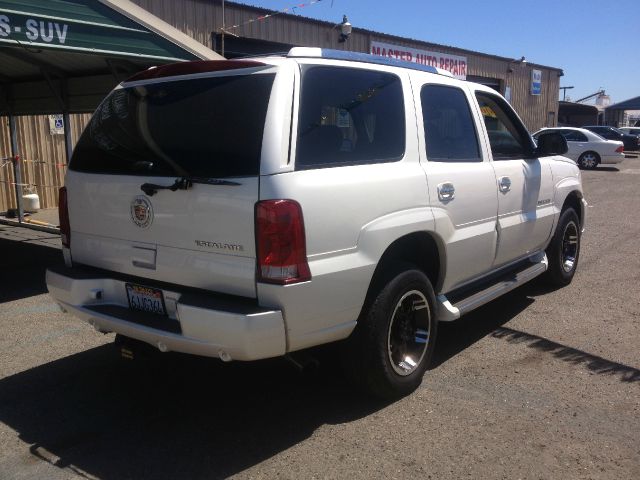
{"x": 531, "y": 89}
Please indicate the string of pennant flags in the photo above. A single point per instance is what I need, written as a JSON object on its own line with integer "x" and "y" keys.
{"x": 9, "y": 160}
{"x": 42, "y": 162}
{"x": 279, "y": 12}
{"x": 7, "y": 182}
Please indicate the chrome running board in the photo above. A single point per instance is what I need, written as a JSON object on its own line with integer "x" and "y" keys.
{"x": 448, "y": 311}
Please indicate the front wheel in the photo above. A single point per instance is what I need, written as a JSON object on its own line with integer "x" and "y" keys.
{"x": 391, "y": 347}
{"x": 564, "y": 250}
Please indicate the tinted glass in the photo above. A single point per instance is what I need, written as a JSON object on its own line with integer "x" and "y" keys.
{"x": 449, "y": 132}
{"x": 507, "y": 135}
{"x": 210, "y": 127}
{"x": 546, "y": 130}
{"x": 574, "y": 136}
{"x": 348, "y": 117}
{"x": 603, "y": 132}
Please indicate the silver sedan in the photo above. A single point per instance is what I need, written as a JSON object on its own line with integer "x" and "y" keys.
{"x": 588, "y": 149}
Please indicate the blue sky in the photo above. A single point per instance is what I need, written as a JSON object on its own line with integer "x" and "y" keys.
{"x": 595, "y": 42}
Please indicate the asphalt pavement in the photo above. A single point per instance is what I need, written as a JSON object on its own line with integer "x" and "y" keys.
{"x": 539, "y": 384}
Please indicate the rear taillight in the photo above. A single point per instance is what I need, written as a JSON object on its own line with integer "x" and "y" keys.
{"x": 63, "y": 214}
{"x": 280, "y": 241}
{"x": 620, "y": 149}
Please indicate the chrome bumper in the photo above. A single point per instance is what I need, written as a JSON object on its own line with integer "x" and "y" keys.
{"x": 196, "y": 323}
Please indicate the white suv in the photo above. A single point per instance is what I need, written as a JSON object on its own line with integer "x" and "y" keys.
{"x": 248, "y": 209}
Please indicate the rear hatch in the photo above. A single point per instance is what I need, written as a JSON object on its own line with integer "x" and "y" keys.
{"x": 200, "y": 134}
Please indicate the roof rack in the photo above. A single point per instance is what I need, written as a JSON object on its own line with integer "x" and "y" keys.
{"x": 311, "y": 52}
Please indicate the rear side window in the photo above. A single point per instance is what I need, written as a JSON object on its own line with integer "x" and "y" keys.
{"x": 449, "y": 132}
{"x": 348, "y": 117}
{"x": 574, "y": 136}
{"x": 208, "y": 127}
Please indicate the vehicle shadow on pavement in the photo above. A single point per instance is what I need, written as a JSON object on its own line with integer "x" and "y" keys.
{"x": 174, "y": 417}
{"x": 455, "y": 337}
{"x": 568, "y": 354}
{"x": 22, "y": 268}
{"x": 606, "y": 169}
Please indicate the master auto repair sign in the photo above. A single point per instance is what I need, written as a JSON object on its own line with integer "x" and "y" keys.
{"x": 457, "y": 65}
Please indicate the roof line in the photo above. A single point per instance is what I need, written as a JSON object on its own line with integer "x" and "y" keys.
{"x": 628, "y": 100}
{"x": 110, "y": 53}
{"x": 388, "y": 35}
{"x": 73, "y": 20}
{"x": 162, "y": 28}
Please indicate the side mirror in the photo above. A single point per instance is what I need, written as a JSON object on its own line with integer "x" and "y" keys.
{"x": 552, "y": 143}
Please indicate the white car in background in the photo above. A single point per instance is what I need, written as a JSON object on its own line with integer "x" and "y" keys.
{"x": 586, "y": 148}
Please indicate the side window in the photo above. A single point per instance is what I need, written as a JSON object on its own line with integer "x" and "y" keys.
{"x": 605, "y": 132}
{"x": 349, "y": 116}
{"x": 575, "y": 136}
{"x": 507, "y": 136}
{"x": 449, "y": 132}
{"x": 547, "y": 130}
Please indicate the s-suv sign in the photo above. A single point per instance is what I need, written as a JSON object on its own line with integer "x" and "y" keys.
{"x": 33, "y": 30}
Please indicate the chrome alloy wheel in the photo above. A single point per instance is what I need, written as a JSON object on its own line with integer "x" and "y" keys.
{"x": 569, "y": 246}
{"x": 589, "y": 160}
{"x": 408, "y": 335}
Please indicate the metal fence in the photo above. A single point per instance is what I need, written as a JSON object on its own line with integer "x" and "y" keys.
{"x": 33, "y": 163}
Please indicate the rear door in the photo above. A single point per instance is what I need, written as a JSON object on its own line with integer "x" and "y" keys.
{"x": 461, "y": 182}
{"x": 203, "y": 132}
{"x": 577, "y": 143}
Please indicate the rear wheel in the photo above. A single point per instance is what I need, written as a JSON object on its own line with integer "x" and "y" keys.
{"x": 392, "y": 345}
{"x": 564, "y": 250}
{"x": 589, "y": 160}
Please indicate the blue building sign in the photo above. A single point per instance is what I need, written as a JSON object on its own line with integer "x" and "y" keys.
{"x": 536, "y": 82}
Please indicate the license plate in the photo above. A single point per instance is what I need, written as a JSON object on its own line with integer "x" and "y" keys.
{"x": 145, "y": 299}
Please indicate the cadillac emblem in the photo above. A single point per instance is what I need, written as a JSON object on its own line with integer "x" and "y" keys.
{"x": 141, "y": 211}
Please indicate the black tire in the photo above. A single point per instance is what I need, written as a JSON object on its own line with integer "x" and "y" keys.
{"x": 564, "y": 250}
{"x": 391, "y": 347}
{"x": 589, "y": 160}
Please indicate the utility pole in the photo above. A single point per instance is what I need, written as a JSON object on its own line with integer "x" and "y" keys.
{"x": 564, "y": 92}
{"x": 222, "y": 31}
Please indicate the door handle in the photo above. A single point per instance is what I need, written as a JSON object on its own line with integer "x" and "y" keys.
{"x": 446, "y": 191}
{"x": 504, "y": 184}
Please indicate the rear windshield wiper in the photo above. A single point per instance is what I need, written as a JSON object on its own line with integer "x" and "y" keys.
{"x": 184, "y": 183}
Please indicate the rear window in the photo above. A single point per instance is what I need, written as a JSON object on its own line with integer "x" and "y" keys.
{"x": 209, "y": 127}
{"x": 349, "y": 116}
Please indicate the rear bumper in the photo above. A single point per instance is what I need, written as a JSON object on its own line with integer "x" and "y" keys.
{"x": 231, "y": 328}
{"x": 611, "y": 159}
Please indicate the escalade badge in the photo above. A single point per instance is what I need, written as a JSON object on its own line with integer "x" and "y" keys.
{"x": 141, "y": 211}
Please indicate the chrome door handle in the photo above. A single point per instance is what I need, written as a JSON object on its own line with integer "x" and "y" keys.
{"x": 446, "y": 191}
{"x": 504, "y": 184}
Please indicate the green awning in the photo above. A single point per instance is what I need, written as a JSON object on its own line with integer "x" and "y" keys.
{"x": 60, "y": 55}
{"x": 81, "y": 26}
